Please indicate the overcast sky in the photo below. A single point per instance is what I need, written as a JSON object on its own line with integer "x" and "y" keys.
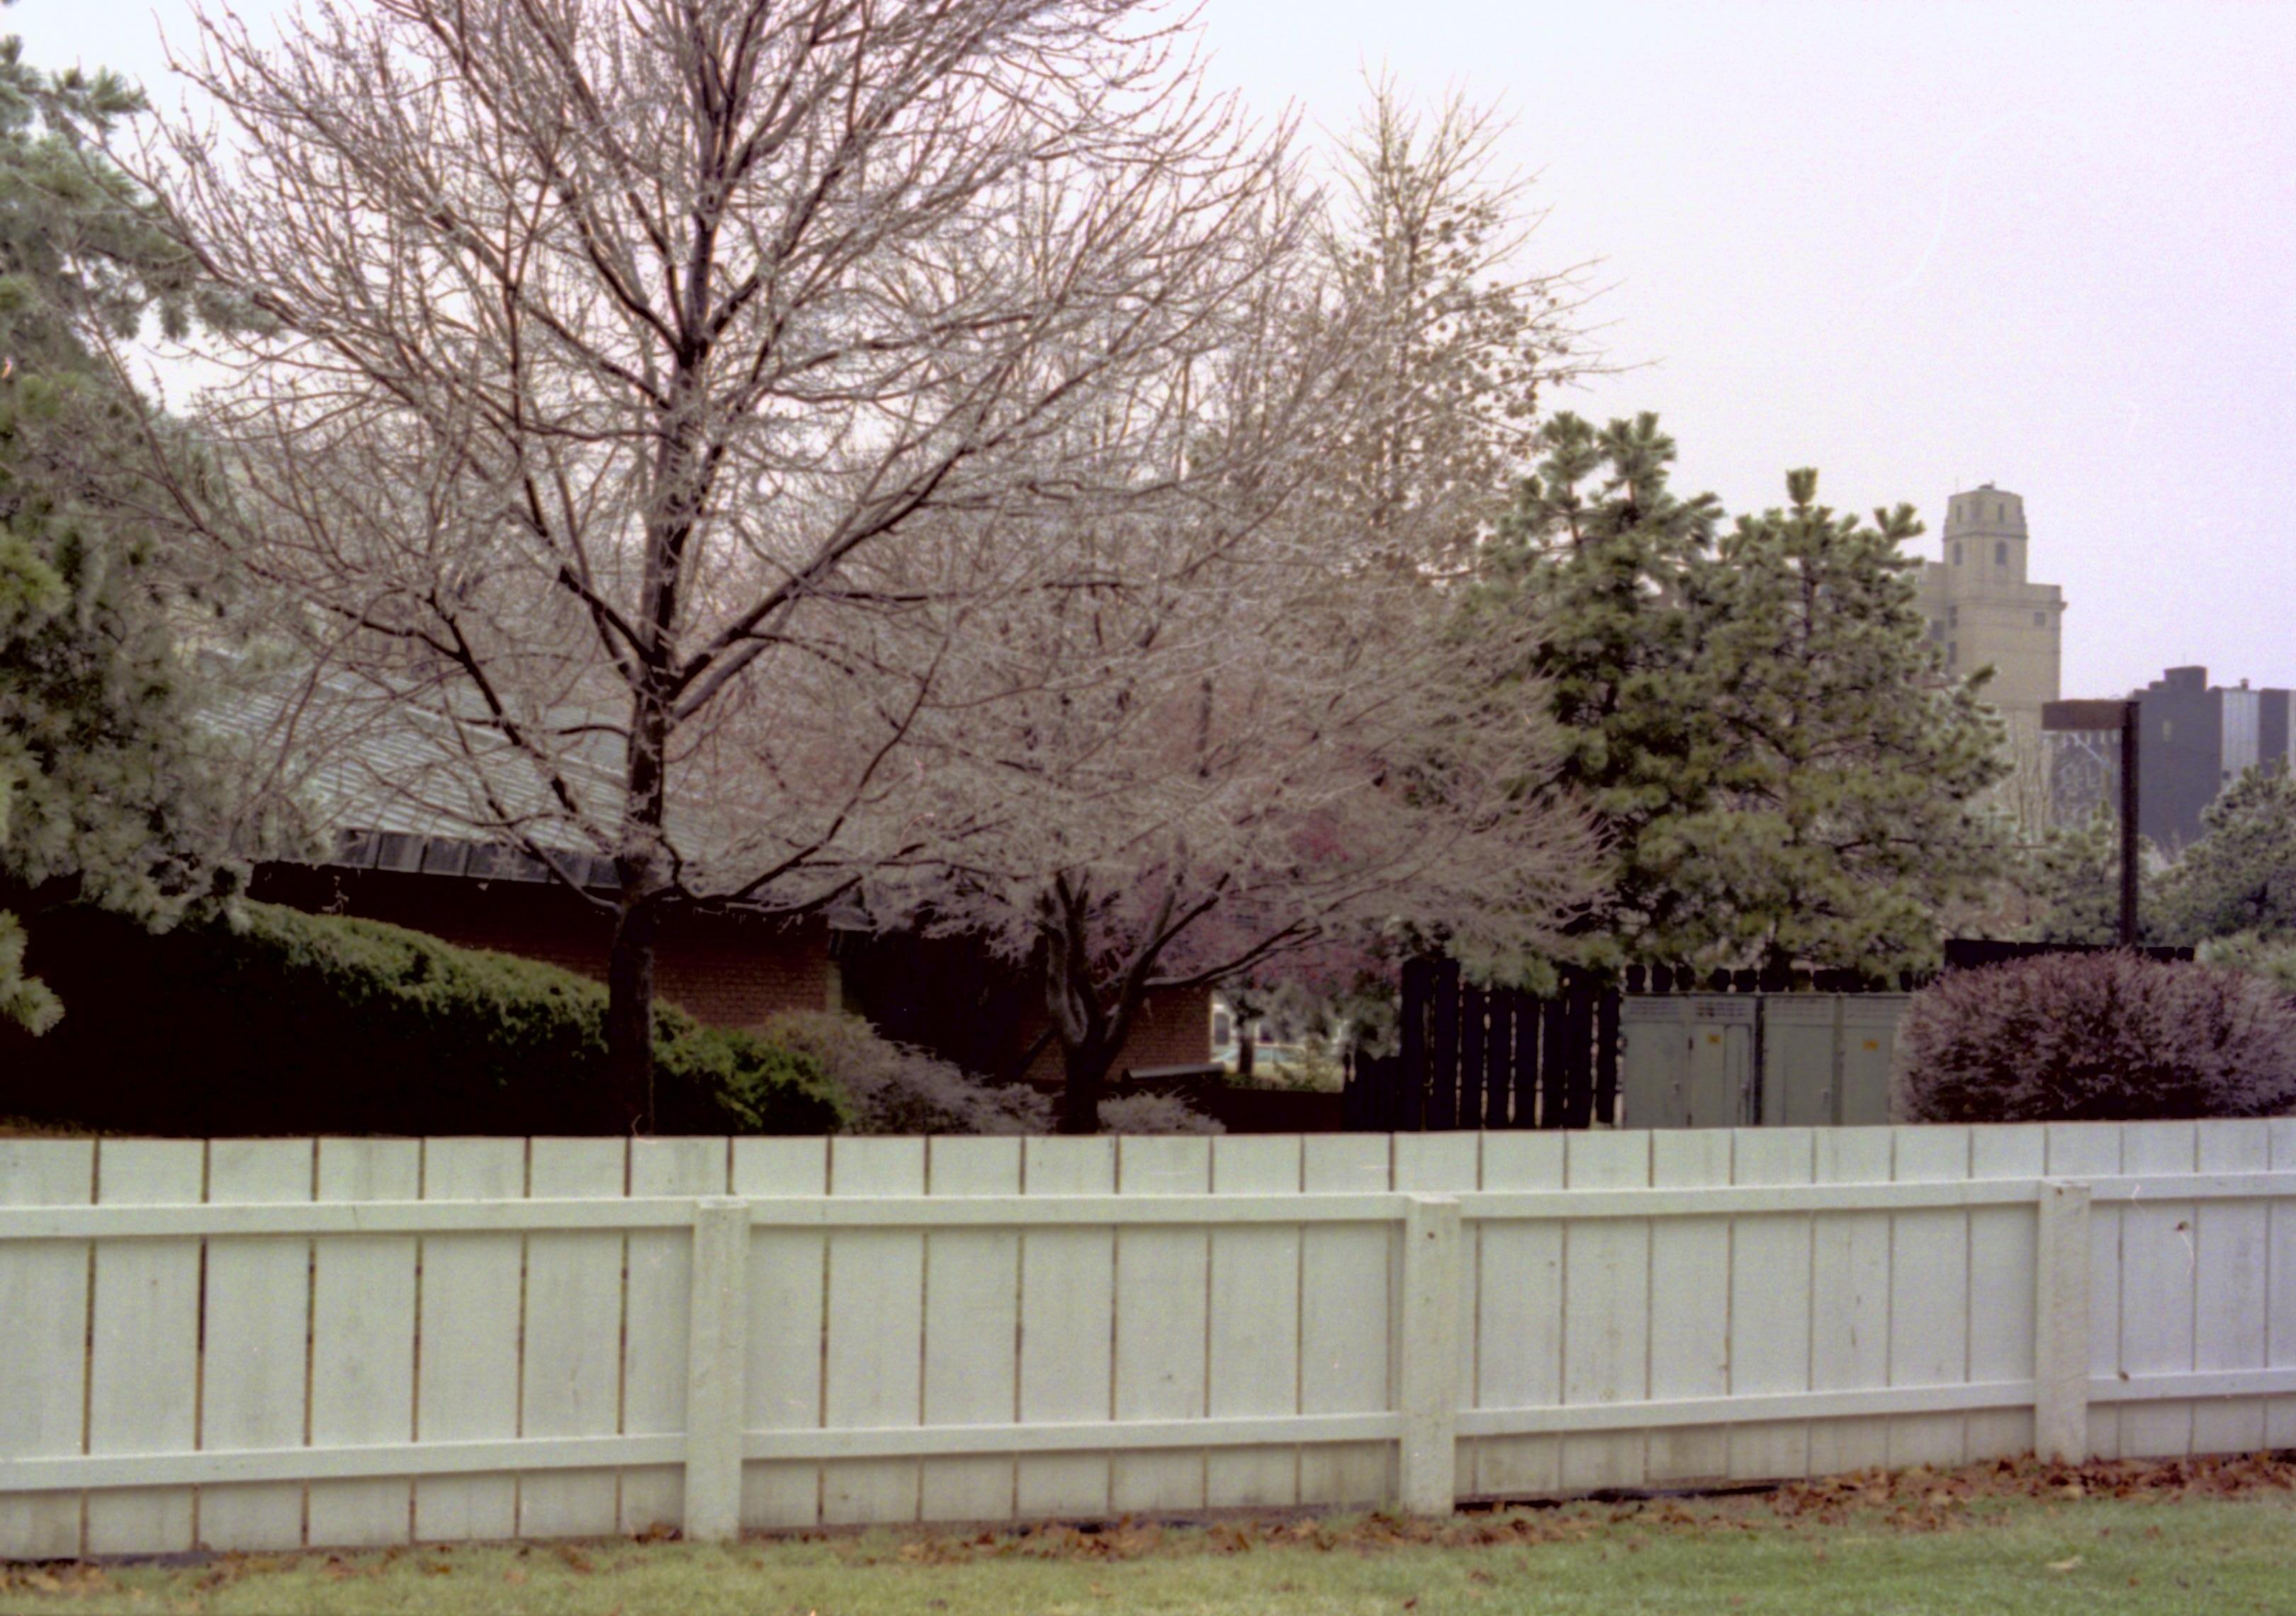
{"x": 1918, "y": 246}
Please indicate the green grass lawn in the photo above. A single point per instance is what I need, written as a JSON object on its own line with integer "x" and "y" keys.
{"x": 1931, "y": 1548}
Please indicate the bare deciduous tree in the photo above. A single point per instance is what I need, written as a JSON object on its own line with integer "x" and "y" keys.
{"x": 1293, "y": 756}
{"x": 621, "y": 353}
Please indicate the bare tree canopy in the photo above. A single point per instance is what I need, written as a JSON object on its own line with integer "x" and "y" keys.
{"x": 618, "y": 351}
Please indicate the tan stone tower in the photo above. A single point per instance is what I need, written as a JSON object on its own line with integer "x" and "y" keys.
{"x": 1985, "y": 612}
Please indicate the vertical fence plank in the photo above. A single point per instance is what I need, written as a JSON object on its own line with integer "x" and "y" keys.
{"x": 2002, "y": 1277}
{"x": 1690, "y": 1304}
{"x": 2158, "y": 1242}
{"x": 257, "y": 1322}
{"x": 1522, "y": 1066}
{"x": 1068, "y": 1288}
{"x": 1770, "y": 1300}
{"x": 143, "y": 1362}
{"x": 467, "y": 1379}
{"x": 1607, "y": 1009}
{"x": 656, "y": 1354}
{"x": 718, "y": 1321}
{"x": 363, "y": 1339}
{"x": 2280, "y": 1285}
{"x": 1429, "y": 1386}
{"x": 2084, "y": 1151}
{"x": 1254, "y": 1358}
{"x": 43, "y": 1342}
{"x": 1474, "y": 1014}
{"x": 1518, "y": 1334}
{"x": 1849, "y": 1328}
{"x": 2232, "y": 1246}
{"x": 782, "y": 1389}
{"x": 973, "y": 1294}
{"x": 1448, "y": 1164}
{"x": 1553, "y": 1062}
{"x": 572, "y": 1379}
{"x": 872, "y": 1371}
{"x": 1162, "y": 1275}
{"x": 1443, "y": 1054}
{"x": 1929, "y": 1305}
{"x": 1606, "y": 1309}
{"x": 2060, "y": 1327}
{"x": 1345, "y": 1314}
{"x": 1498, "y": 1057}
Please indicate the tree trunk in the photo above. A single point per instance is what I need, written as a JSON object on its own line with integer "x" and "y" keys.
{"x": 629, "y": 1013}
{"x": 1085, "y": 1067}
{"x": 1247, "y": 1050}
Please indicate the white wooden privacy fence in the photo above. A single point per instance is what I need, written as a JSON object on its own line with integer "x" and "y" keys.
{"x": 261, "y": 1344}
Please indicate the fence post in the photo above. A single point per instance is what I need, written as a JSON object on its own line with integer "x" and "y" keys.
{"x": 2061, "y": 1325}
{"x": 716, "y": 1354}
{"x": 1430, "y": 1381}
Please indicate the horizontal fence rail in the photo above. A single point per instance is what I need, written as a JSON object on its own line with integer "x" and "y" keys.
{"x": 263, "y": 1344}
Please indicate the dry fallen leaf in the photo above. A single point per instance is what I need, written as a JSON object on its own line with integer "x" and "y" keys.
{"x": 2065, "y": 1565}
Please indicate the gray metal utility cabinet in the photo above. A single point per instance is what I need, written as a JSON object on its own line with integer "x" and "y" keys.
{"x": 1736, "y": 1059}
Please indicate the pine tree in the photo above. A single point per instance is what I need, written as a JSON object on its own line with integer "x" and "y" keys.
{"x": 2072, "y": 882}
{"x": 2241, "y": 875}
{"x": 1784, "y": 772}
{"x": 101, "y": 797}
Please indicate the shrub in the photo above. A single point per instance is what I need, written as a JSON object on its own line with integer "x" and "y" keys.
{"x": 2095, "y": 1037}
{"x": 267, "y": 1019}
{"x": 896, "y": 1088}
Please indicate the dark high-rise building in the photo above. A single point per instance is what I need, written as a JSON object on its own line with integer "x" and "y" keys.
{"x": 2193, "y": 739}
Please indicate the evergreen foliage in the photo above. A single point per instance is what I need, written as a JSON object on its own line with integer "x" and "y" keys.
{"x": 2241, "y": 875}
{"x": 2072, "y": 882}
{"x": 263, "y": 1020}
{"x": 1786, "y": 775}
{"x": 2095, "y": 1037}
{"x": 100, "y": 795}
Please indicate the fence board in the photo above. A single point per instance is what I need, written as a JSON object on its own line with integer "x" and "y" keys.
{"x": 144, "y": 1358}
{"x": 44, "y": 1299}
{"x": 1606, "y": 1307}
{"x": 1253, "y": 1349}
{"x": 872, "y": 1371}
{"x": 1849, "y": 1269}
{"x": 2158, "y": 1241}
{"x": 1518, "y": 1332}
{"x": 1345, "y": 1273}
{"x": 2091, "y": 1150}
{"x": 474, "y": 1289}
{"x": 1448, "y": 1164}
{"x": 1770, "y": 1301}
{"x": 1928, "y": 1307}
{"x": 1161, "y": 1278}
{"x": 363, "y": 1341}
{"x": 1690, "y": 1305}
{"x": 972, "y": 1321}
{"x": 1067, "y": 1293}
{"x": 2230, "y": 1298}
{"x": 788, "y": 1272}
{"x": 570, "y": 1385}
{"x": 255, "y": 1364}
{"x": 659, "y": 1320}
{"x": 2002, "y": 1277}
{"x": 2280, "y": 1285}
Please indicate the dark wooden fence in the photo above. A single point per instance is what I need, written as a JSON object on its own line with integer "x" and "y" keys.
{"x": 1490, "y": 1057}
{"x": 1498, "y": 1057}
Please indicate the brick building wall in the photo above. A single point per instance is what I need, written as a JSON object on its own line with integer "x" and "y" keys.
{"x": 1174, "y": 1028}
{"x": 724, "y": 970}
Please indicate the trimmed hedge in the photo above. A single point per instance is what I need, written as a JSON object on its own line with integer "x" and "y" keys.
{"x": 266, "y": 1020}
{"x": 2105, "y": 1038}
